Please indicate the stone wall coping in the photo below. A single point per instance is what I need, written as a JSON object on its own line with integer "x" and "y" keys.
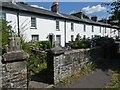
{"x": 57, "y": 50}
{"x": 79, "y": 50}
{"x": 15, "y": 56}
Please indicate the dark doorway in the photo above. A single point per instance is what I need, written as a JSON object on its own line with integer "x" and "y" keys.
{"x": 51, "y": 36}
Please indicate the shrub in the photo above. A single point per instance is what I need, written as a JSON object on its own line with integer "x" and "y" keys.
{"x": 45, "y": 45}
{"x": 79, "y": 44}
{"x": 41, "y": 45}
{"x": 102, "y": 41}
{"x": 5, "y": 32}
{"x": 108, "y": 45}
{"x": 26, "y": 47}
{"x": 37, "y": 62}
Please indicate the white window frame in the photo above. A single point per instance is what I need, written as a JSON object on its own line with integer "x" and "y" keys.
{"x": 72, "y": 26}
{"x": 105, "y": 30}
{"x": 84, "y": 28}
{"x": 59, "y": 41}
{"x": 92, "y": 28}
{"x": 100, "y": 29}
{"x": 33, "y": 22}
{"x": 33, "y": 39}
{"x": 57, "y": 25}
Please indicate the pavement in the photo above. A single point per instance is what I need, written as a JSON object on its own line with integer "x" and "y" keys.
{"x": 99, "y": 78}
{"x": 34, "y": 84}
{"x": 95, "y": 79}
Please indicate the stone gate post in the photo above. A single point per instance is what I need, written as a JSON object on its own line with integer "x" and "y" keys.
{"x": 54, "y": 56}
{"x": 14, "y": 65}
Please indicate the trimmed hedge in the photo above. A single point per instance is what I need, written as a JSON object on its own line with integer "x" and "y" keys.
{"x": 79, "y": 44}
{"x": 45, "y": 45}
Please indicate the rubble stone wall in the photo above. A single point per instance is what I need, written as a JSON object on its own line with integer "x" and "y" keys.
{"x": 71, "y": 62}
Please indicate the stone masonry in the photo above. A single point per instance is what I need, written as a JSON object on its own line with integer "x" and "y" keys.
{"x": 14, "y": 65}
{"x": 64, "y": 64}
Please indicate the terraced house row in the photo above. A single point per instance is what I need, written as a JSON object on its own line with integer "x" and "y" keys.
{"x": 35, "y": 23}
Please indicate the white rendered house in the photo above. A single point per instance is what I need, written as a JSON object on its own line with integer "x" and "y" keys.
{"x": 40, "y": 24}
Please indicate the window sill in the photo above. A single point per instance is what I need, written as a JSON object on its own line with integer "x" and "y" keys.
{"x": 57, "y": 29}
{"x": 33, "y": 28}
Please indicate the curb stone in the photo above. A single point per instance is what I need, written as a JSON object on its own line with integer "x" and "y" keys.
{"x": 50, "y": 86}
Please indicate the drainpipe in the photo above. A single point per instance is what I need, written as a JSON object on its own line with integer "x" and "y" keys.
{"x": 65, "y": 31}
{"x": 18, "y": 24}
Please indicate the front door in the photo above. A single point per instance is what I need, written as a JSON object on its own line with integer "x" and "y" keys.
{"x": 51, "y": 39}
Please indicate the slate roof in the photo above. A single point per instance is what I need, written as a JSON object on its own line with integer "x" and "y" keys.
{"x": 31, "y": 9}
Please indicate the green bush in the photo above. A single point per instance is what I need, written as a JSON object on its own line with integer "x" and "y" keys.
{"x": 108, "y": 45}
{"x": 102, "y": 41}
{"x": 37, "y": 62}
{"x": 79, "y": 44}
{"x": 5, "y": 32}
{"x": 44, "y": 45}
{"x": 26, "y": 47}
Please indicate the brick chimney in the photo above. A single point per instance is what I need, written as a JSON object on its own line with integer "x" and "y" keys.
{"x": 78, "y": 14}
{"x": 54, "y": 7}
{"x": 94, "y": 18}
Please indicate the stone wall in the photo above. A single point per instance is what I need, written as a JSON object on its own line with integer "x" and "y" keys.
{"x": 62, "y": 65}
{"x": 0, "y": 72}
{"x": 14, "y": 75}
{"x": 13, "y": 65}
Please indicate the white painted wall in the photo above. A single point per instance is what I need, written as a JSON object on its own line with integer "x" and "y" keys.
{"x": 12, "y": 19}
{"x": 47, "y": 25}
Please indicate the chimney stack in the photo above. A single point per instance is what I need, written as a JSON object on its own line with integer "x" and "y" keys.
{"x": 54, "y": 7}
{"x": 94, "y": 18}
{"x": 78, "y": 14}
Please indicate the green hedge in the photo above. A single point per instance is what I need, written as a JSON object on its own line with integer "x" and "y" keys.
{"x": 79, "y": 44}
{"x": 45, "y": 45}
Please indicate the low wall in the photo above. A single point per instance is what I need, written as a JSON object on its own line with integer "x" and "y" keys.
{"x": 62, "y": 65}
{"x": 14, "y": 75}
{"x": 13, "y": 65}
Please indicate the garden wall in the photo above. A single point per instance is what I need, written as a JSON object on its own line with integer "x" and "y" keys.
{"x": 64, "y": 64}
{"x": 13, "y": 66}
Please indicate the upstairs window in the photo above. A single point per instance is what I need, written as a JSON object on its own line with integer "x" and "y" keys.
{"x": 57, "y": 25}
{"x": 33, "y": 22}
{"x": 92, "y": 28}
{"x": 100, "y": 29}
{"x": 105, "y": 30}
{"x": 72, "y": 26}
{"x": 110, "y": 30}
{"x": 84, "y": 28}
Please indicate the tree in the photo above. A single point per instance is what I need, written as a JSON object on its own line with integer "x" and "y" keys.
{"x": 115, "y": 13}
{"x": 5, "y": 32}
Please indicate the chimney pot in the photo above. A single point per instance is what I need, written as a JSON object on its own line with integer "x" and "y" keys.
{"x": 94, "y": 18}
{"x": 54, "y": 7}
{"x": 78, "y": 14}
